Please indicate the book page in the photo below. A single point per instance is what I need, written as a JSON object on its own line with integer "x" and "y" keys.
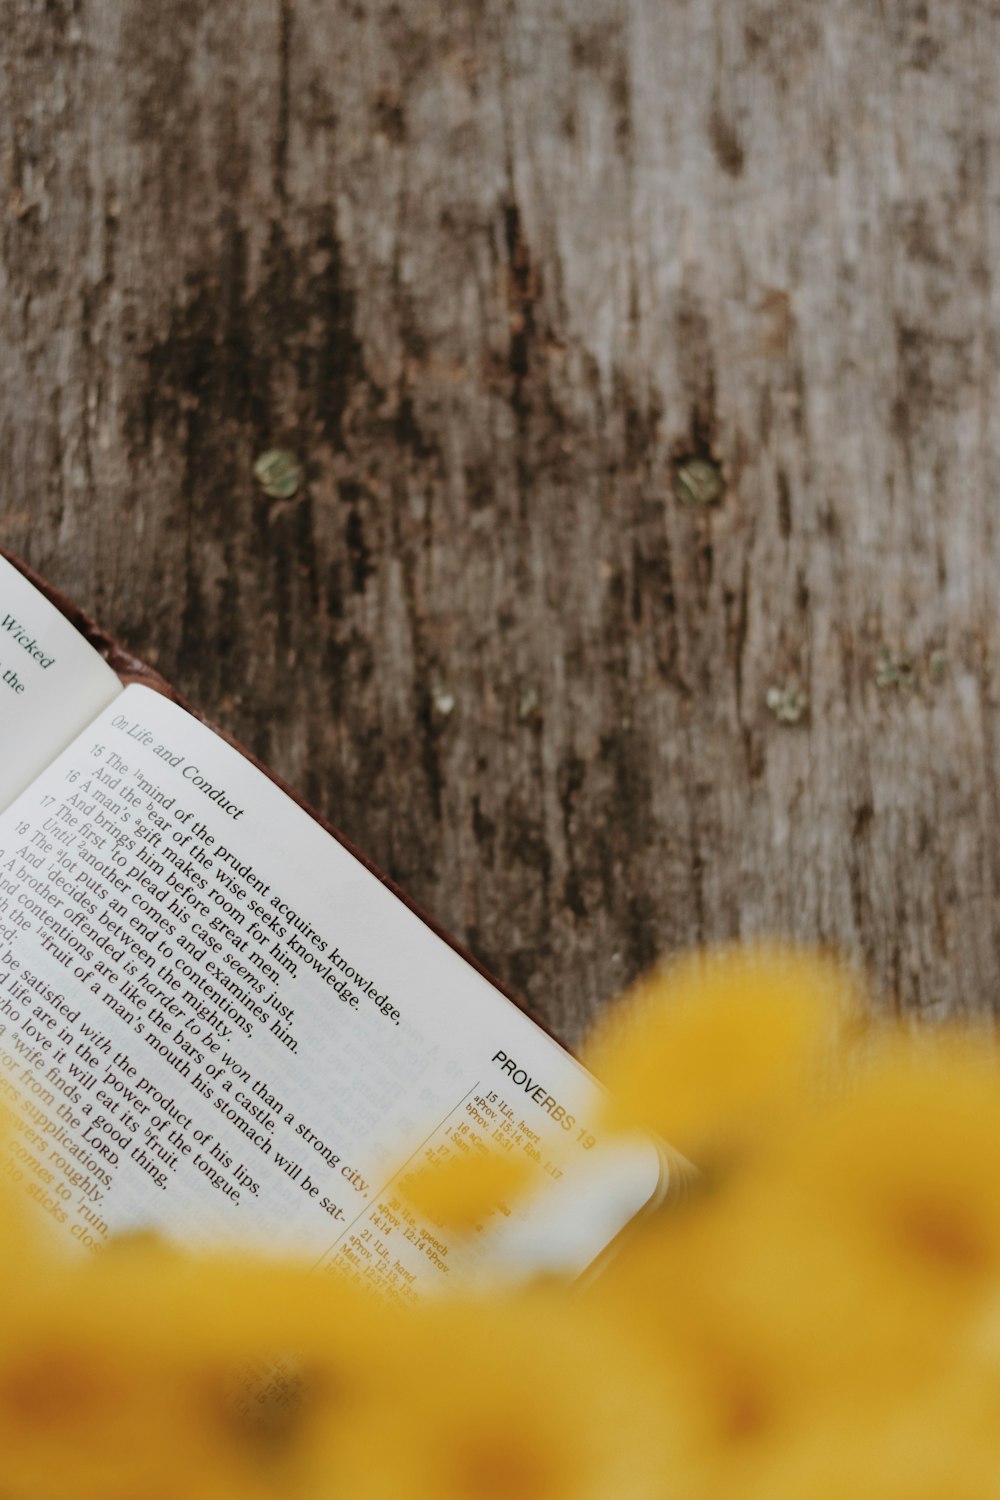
{"x": 216, "y": 1023}
{"x": 51, "y": 682}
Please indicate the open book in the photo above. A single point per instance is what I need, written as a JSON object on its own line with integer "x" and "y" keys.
{"x": 218, "y": 1022}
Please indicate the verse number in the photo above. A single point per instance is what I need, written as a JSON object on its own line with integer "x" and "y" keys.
{"x": 97, "y": 751}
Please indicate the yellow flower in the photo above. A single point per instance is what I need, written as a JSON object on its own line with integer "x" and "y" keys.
{"x": 853, "y": 1259}
{"x": 142, "y": 1372}
{"x": 709, "y": 1051}
{"x": 836, "y": 1275}
{"x": 924, "y": 1449}
{"x": 510, "y": 1398}
{"x": 462, "y": 1190}
{"x": 736, "y": 1389}
{"x": 829, "y": 1323}
{"x": 906, "y": 1172}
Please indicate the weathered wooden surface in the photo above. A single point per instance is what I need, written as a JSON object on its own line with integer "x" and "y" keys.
{"x": 491, "y": 270}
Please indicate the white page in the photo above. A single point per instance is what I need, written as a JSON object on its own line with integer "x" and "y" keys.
{"x": 215, "y": 1022}
{"x": 52, "y": 682}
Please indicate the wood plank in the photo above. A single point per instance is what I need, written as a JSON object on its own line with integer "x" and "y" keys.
{"x": 496, "y": 275}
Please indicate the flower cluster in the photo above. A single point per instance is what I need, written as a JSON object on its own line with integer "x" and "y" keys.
{"x": 818, "y": 1314}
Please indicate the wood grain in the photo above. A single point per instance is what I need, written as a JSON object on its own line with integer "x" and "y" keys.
{"x": 494, "y": 273}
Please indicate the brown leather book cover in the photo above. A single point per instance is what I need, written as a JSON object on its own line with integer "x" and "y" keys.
{"x": 129, "y": 668}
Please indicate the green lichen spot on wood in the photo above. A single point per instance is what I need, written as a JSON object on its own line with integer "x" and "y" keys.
{"x": 529, "y": 709}
{"x": 893, "y": 670}
{"x": 278, "y": 473}
{"x": 788, "y": 704}
{"x": 698, "y": 483}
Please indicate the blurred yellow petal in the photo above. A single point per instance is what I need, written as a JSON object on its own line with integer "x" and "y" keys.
{"x": 707, "y": 1051}
{"x": 850, "y": 1262}
{"x": 139, "y": 1364}
{"x": 532, "y": 1397}
{"x": 461, "y": 1191}
{"x": 925, "y": 1449}
{"x": 829, "y": 1322}
{"x": 907, "y": 1167}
